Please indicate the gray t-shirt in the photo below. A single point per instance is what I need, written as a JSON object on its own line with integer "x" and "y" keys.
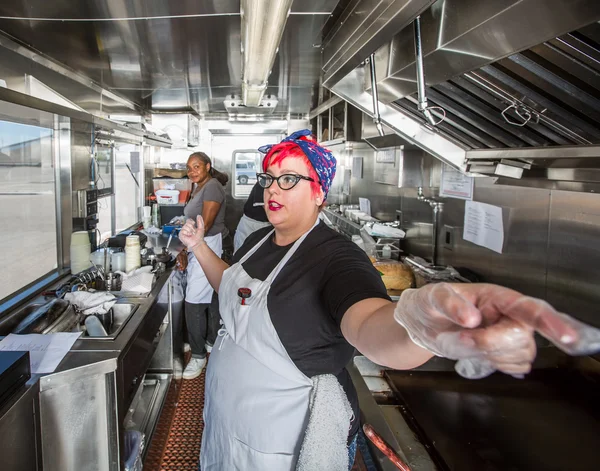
{"x": 211, "y": 191}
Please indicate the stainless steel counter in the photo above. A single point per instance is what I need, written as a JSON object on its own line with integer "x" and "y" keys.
{"x": 85, "y": 403}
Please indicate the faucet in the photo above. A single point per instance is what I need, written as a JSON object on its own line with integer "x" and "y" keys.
{"x": 437, "y": 208}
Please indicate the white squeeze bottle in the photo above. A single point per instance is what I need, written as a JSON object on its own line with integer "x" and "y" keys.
{"x": 386, "y": 252}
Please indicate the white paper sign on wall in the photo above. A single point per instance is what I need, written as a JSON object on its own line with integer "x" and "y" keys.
{"x": 456, "y": 184}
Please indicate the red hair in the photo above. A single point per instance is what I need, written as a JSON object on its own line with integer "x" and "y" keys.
{"x": 284, "y": 150}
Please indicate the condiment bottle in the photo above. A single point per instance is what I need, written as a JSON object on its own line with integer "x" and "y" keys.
{"x": 386, "y": 252}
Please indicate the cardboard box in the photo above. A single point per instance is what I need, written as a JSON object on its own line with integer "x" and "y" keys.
{"x": 169, "y": 172}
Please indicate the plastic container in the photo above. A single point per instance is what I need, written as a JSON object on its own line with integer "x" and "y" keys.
{"x": 97, "y": 258}
{"x": 167, "y": 196}
{"x": 118, "y": 261}
{"x": 183, "y": 185}
{"x": 80, "y": 238}
{"x": 94, "y": 327}
{"x": 80, "y": 251}
{"x": 168, "y": 228}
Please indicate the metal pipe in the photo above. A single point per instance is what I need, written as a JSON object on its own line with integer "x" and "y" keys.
{"x": 438, "y": 209}
{"x": 423, "y": 106}
{"x": 419, "y": 65}
{"x": 376, "y": 115}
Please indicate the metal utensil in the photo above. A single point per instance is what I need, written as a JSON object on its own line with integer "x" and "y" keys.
{"x": 113, "y": 282}
{"x": 385, "y": 448}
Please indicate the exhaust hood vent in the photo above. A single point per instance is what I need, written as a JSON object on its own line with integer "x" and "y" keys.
{"x": 521, "y": 104}
{"x": 371, "y": 136}
{"x": 235, "y": 106}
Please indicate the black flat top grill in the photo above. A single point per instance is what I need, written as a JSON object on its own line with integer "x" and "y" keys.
{"x": 549, "y": 421}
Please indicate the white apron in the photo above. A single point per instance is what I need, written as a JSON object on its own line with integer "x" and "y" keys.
{"x": 246, "y": 227}
{"x": 198, "y": 290}
{"x": 257, "y": 403}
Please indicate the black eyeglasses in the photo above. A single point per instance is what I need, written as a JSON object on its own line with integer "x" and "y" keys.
{"x": 287, "y": 181}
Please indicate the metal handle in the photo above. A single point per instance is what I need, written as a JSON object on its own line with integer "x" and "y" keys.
{"x": 522, "y": 113}
{"x": 385, "y": 448}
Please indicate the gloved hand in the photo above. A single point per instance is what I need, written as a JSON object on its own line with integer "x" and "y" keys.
{"x": 488, "y": 327}
{"x": 192, "y": 234}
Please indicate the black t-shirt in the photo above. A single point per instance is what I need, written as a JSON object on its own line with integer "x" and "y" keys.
{"x": 255, "y": 206}
{"x": 322, "y": 280}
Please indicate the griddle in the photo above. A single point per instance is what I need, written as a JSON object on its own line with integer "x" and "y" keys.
{"x": 549, "y": 421}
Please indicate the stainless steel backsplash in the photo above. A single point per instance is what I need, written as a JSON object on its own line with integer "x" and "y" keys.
{"x": 552, "y": 238}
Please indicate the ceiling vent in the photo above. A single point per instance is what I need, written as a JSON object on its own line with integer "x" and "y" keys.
{"x": 235, "y": 106}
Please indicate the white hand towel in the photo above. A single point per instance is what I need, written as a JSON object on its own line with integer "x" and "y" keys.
{"x": 91, "y": 303}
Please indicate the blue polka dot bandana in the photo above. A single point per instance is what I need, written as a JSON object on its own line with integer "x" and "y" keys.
{"x": 320, "y": 158}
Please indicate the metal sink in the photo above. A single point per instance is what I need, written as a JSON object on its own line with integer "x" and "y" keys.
{"x": 122, "y": 312}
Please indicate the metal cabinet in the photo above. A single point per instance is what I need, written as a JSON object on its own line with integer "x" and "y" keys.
{"x": 20, "y": 446}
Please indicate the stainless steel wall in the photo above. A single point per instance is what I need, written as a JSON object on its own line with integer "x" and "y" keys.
{"x": 551, "y": 247}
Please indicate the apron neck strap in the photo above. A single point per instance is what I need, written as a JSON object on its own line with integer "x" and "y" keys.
{"x": 287, "y": 256}
{"x": 255, "y": 248}
{"x": 290, "y": 253}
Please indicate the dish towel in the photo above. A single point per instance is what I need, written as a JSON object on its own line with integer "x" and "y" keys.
{"x": 325, "y": 444}
{"x": 91, "y": 302}
{"x": 138, "y": 281}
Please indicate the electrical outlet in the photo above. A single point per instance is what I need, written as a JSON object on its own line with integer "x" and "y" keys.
{"x": 449, "y": 237}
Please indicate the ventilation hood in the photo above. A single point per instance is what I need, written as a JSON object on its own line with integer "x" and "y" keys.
{"x": 519, "y": 83}
{"x": 370, "y": 134}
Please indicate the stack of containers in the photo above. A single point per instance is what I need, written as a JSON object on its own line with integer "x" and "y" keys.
{"x": 81, "y": 248}
{"x": 132, "y": 253}
{"x": 147, "y": 219}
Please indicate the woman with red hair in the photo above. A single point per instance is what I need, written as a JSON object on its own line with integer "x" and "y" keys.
{"x": 297, "y": 301}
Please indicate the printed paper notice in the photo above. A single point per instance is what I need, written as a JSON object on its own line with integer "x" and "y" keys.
{"x": 347, "y": 174}
{"x": 483, "y": 225}
{"x": 455, "y": 184}
{"x": 46, "y": 351}
{"x": 357, "y": 167}
{"x": 365, "y": 205}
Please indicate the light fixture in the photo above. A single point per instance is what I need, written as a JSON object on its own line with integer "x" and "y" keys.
{"x": 263, "y": 23}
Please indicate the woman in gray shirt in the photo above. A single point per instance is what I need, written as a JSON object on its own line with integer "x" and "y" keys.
{"x": 207, "y": 200}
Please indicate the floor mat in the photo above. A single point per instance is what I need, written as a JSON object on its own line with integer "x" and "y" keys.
{"x": 176, "y": 442}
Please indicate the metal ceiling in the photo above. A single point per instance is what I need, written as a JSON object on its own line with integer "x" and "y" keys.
{"x": 359, "y": 29}
{"x": 169, "y": 56}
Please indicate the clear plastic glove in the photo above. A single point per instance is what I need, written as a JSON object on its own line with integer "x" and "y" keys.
{"x": 488, "y": 327}
{"x": 192, "y": 233}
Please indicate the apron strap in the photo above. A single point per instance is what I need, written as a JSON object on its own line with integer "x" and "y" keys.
{"x": 289, "y": 254}
{"x": 255, "y": 248}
